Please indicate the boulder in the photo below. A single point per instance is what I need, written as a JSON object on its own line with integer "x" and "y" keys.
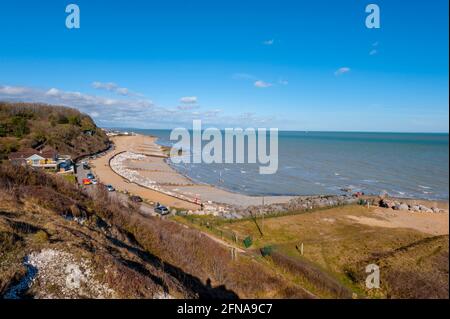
{"x": 425, "y": 209}
{"x": 401, "y": 206}
{"x": 383, "y": 203}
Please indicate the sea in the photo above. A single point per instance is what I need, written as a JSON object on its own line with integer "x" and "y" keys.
{"x": 405, "y": 165}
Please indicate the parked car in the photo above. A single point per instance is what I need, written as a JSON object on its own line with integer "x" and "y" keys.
{"x": 162, "y": 210}
{"x": 86, "y": 166}
{"x": 110, "y": 188}
{"x": 90, "y": 176}
{"x": 87, "y": 181}
{"x": 136, "y": 199}
{"x": 94, "y": 181}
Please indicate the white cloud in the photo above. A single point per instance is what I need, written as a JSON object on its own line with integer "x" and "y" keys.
{"x": 109, "y": 86}
{"x": 373, "y": 52}
{"x": 112, "y": 87}
{"x": 52, "y": 92}
{"x": 262, "y": 84}
{"x": 342, "y": 70}
{"x": 269, "y": 42}
{"x": 189, "y": 100}
{"x": 122, "y": 91}
{"x": 79, "y": 100}
{"x": 187, "y": 107}
{"x": 256, "y": 83}
{"x": 13, "y": 90}
{"x": 130, "y": 111}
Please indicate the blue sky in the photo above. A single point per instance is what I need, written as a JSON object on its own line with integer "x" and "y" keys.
{"x": 160, "y": 64}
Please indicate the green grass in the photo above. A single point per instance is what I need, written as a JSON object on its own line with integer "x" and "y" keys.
{"x": 70, "y": 178}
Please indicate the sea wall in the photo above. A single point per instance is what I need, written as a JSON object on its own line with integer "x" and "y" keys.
{"x": 302, "y": 203}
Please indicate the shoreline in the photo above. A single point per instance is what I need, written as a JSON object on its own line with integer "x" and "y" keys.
{"x": 420, "y": 199}
{"x": 185, "y": 192}
{"x": 308, "y": 195}
{"x": 166, "y": 185}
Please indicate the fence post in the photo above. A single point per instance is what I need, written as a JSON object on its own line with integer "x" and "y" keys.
{"x": 233, "y": 254}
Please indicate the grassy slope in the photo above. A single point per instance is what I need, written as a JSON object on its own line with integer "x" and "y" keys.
{"x": 143, "y": 255}
{"x": 31, "y": 223}
{"x": 337, "y": 249}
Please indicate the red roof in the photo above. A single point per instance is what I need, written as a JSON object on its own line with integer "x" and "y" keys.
{"x": 25, "y": 153}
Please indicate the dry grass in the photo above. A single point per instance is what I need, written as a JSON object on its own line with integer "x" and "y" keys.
{"x": 334, "y": 245}
{"x": 201, "y": 257}
{"x": 142, "y": 255}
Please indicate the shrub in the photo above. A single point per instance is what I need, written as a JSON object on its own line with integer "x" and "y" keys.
{"x": 8, "y": 241}
{"x": 41, "y": 237}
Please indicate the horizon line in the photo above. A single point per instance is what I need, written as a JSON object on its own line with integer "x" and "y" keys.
{"x": 279, "y": 130}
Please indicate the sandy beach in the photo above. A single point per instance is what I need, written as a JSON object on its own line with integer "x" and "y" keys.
{"x": 137, "y": 165}
{"x": 428, "y": 223}
{"x": 138, "y": 144}
{"x": 139, "y": 159}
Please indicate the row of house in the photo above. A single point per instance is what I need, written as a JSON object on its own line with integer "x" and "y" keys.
{"x": 46, "y": 158}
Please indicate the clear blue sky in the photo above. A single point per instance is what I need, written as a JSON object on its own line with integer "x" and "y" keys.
{"x": 159, "y": 64}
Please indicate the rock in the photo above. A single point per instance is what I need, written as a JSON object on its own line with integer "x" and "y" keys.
{"x": 415, "y": 208}
{"x": 383, "y": 203}
{"x": 297, "y": 204}
{"x": 386, "y": 203}
{"x": 401, "y": 206}
{"x": 425, "y": 209}
{"x": 436, "y": 210}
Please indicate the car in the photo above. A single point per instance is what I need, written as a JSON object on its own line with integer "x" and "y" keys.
{"x": 162, "y": 210}
{"x": 86, "y": 166}
{"x": 94, "y": 181}
{"x": 87, "y": 181}
{"x": 110, "y": 188}
{"x": 90, "y": 176}
{"x": 136, "y": 199}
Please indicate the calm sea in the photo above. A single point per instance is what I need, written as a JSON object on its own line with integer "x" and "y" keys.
{"x": 403, "y": 165}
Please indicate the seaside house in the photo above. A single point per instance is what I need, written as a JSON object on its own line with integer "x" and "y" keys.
{"x": 46, "y": 158}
